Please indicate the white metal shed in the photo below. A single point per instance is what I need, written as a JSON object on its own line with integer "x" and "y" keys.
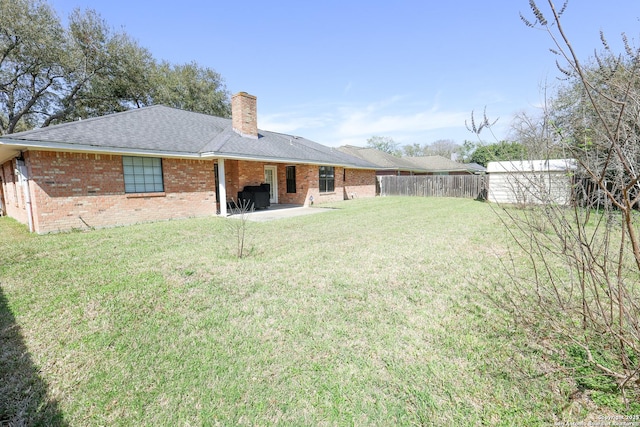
{"x": 531, "y": 181}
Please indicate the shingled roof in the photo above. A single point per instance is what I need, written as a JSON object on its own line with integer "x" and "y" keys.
{"x": 436, "y": 164}
{"x": 170, "y": 132}
{"x": 424, "y": 164}
{"x": 383, "y": 160}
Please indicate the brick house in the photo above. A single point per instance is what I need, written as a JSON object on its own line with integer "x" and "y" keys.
{"x": 158, "y": 163}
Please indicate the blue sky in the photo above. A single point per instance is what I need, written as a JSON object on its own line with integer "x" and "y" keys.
{"x": 341, "y": 71}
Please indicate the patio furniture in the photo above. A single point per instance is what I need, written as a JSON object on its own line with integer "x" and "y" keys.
{"x": 255, "y": 196}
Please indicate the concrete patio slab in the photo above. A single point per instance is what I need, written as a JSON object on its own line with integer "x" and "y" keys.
{"x": 280, "y": 211}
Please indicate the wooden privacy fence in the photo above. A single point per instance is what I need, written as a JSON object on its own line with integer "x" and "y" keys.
{"x": 463, "y": 186}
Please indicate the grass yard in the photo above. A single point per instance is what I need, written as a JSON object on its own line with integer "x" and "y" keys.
{"x": 365, "y": 315}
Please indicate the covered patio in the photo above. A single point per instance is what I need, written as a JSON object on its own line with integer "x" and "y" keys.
{"x": 277, "y": 211}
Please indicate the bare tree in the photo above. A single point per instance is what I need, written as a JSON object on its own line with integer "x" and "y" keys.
{"x": 442, "y": 147}
{"x": 578, "y": 283}
{"x": 239, "y": 223}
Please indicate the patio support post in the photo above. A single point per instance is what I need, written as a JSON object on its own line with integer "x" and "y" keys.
{"x": 222, "y": 184}
{"x": 23, "y": 178}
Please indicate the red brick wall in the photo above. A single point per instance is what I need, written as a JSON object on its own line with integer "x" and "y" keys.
{"x": 250, "y": 173}
{"x": 231, "y": 174}
{"x": 244, "y": 114}
{"x": 74, "y": 190}
{"x": 359, "y": 183}
{"x": 306, "y": 184}
{"x": 12, "y": 193}
{"x": 240, "y": 173}
{"x": 2, "y": 203}
{"x": 348, "y": 183}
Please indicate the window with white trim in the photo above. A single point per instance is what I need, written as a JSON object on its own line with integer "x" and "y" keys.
{"x": 142, "y": 174}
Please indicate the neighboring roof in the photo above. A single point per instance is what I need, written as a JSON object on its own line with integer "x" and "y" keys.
{"x": 476, "y": 167}
{"x": 383, "y": 160}
{"x": 442, "y": 164}
{"x": 170, "y": 132}
{"x": 550, "y": 165}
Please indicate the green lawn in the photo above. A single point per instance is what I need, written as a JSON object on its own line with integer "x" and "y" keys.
{"x": 365, "y": 315}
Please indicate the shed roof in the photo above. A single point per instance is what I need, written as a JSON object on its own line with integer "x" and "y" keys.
{"x": 549, "y": 165}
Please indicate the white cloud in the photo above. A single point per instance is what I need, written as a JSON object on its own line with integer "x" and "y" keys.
{"x": 400, "y": 117}
{"x": 394, "y": 116}
{"x": 359, "y": 123}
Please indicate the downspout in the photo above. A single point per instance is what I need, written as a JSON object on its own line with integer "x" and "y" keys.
{"x": 23, "y": 175}
{"x": 222, "y": 184}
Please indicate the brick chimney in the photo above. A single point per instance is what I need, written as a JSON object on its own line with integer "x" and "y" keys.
{"x": 244, "y": 114}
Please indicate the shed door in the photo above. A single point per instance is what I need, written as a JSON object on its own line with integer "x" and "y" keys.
{"x": 270, "y": 177}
